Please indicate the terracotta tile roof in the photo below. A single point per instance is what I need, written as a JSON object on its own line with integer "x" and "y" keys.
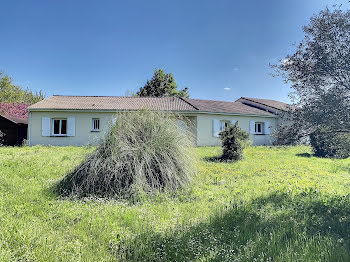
{"x": 152, "y": 103}
{"x": 15, "y": 120}
{"x": 113, "y": 103}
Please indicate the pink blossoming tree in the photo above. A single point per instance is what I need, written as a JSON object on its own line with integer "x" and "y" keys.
{"x": 15, "y": 109}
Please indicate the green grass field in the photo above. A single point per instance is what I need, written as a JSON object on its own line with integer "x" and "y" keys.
{"x": 278, "y": 204}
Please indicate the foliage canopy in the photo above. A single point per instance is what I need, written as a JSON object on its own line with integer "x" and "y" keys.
{"x": 319, "y": 74}
{"x": 11, "y": 93}
{"x": 162, "y": 85}
{"x": 16, "y": 109}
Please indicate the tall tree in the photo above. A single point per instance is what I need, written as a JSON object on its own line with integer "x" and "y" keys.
{"x": 162, "y": 85}
{"x": 319, "y": 73}
{"x": 11, "y": 93}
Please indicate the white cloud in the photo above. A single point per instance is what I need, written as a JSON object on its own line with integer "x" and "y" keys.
{"x": 235, "y": 69}
{"x": 227, "y": 88}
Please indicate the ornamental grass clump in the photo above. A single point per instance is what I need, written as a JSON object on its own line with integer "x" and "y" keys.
{"x": 143, "y": 151}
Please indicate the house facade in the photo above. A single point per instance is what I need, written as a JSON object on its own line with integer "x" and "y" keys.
{"x": 83, "y": 120}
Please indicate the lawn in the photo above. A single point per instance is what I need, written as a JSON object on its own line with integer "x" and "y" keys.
{"x": 278, "y": 204}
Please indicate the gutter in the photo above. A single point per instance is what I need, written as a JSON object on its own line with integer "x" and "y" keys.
{"x": 130, "y": 110}
{"x": 29, "y": 127}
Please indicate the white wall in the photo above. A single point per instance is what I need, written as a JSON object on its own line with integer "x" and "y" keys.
{"x": 205, "y": 135}
{"x": 202, "y": 125}
{"x": 83, "y": 126}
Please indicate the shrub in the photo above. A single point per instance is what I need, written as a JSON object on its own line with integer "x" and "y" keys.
{"x": 233, "y": 141}
{"x": 25, "y": 142}
{"x": 2, "y": 134}
{"x": 330, "y": 144}
{"x": 289, "y": 135}
{"x": 142, "y": 152}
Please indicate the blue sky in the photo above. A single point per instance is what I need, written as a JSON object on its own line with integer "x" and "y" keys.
{"x": 219, "y": 49}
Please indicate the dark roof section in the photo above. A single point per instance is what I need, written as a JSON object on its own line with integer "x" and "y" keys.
{"x": 225, "y": 107}
{"x": 15, "y": 120}
{"x": 176, "y": 104}
{"x": 265, "y": 102}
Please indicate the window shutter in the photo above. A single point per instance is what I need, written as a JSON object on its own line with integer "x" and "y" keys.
{"x": 267, "y": 128}
{"x": 216, "y": 127}
{"x": 233, "y": 122}
{"x": 45, "y": 126}
{"x": 71, "y": 126}
{"x": 252, "y": 127}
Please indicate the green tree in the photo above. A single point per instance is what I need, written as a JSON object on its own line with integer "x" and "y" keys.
{"x": 319, "y": 73}
{"x": 11, "y": 93}
{"x": 162, "y": 85}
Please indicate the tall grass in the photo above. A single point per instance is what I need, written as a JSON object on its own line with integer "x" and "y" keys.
{"x": 143, "y": 151}
{"x": 308, "y": 226}
{"x": 258, "y": 209}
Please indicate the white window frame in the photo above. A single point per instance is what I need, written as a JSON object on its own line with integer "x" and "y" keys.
{"x": 262, "y": 128}
{"x": 93, "y": 129}
{"x": 60, "y": 127}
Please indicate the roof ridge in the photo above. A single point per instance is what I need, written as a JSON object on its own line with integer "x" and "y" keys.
{"x": 170, "y": 97}
{"x": 79, "y": 95}
{"x": 212, "y": 100}
{"x": 250, "y": 99}
{"x": 118, "y": 96}
{"x": 183, "y": 99}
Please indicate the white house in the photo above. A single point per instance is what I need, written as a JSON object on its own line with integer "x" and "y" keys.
{"x": 82, "y": 120}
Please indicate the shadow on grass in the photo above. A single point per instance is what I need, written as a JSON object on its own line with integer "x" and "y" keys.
{"x": 50, "y": 192}
{"x": 304, "y": 155}
{"x": 217, "y": 159}
{"x": 279, "y": 227}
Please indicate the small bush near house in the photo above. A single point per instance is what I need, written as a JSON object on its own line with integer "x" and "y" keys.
{"x": 234, "y": 140}
{"x": 330, "y": 144}
{"x": 1, "y": 138}
{"x": 143, "y": 151}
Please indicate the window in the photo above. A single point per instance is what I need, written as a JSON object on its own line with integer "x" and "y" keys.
{"x": 59, "y": 127}
{"x": 95, "y": 124}
{"x": 224, "y": 124}
{"x": 259, "y": 127}
{"x": 181, "y": 124}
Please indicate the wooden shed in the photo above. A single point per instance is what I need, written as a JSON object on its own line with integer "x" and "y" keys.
{"x": 15, "y": 129}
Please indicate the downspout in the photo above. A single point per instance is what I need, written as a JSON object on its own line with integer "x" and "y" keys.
{"x": 29, "y": 128}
